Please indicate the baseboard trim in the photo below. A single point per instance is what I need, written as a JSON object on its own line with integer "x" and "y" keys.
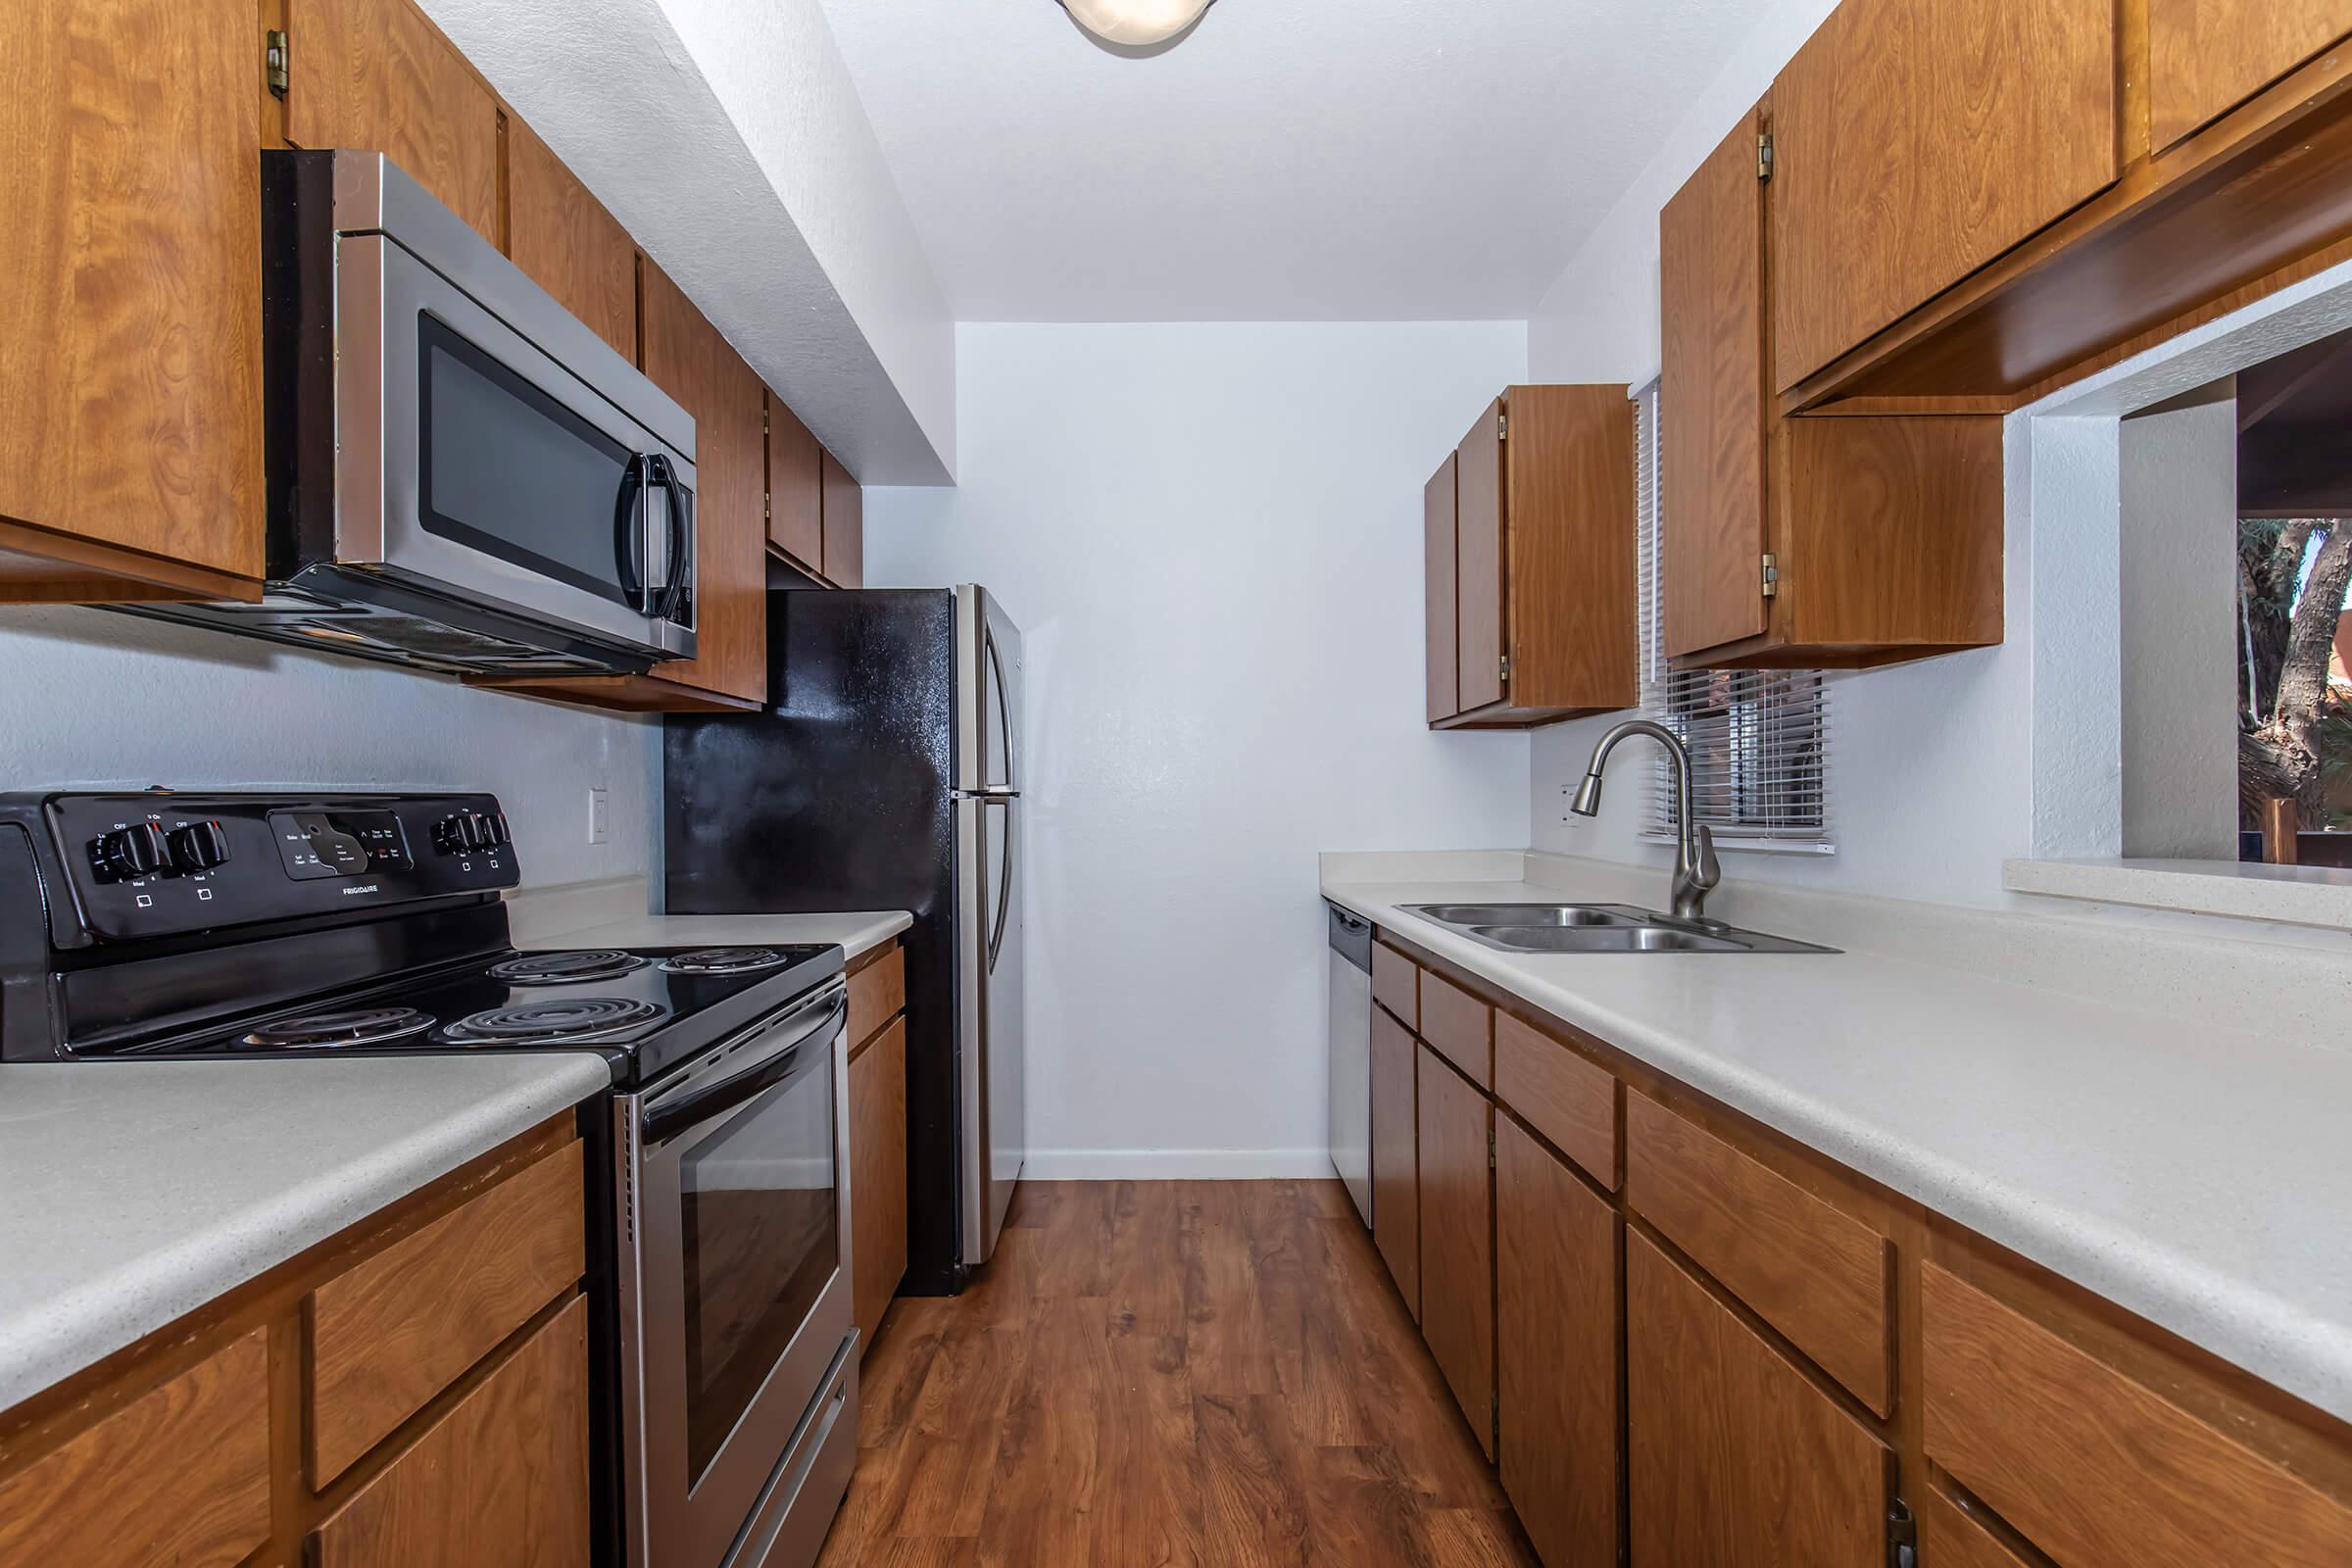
{"x": 1176, "y": 1164}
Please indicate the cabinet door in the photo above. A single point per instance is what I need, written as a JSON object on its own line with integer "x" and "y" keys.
{"x": 879, "y": 1176}
{"x": 1480, "y": 634}
{"x": 501, "y": 1478}
{"x": 844, "y": 526}
{"x": 796, "y": 480}
{"x": 1913, "y": 141}
{"x": 686, "y": 358}
{"x": 374, "y": 75}
{"x": 2206, "y": 57}
{"x": 1396, "y": 1156}
{"x": 1457, "y": 1228}
{"x": 1711, "y": 401}
{"x": 131, "y": 310}
{"x": 1439, "y": 590}
{"x": 1556, "y": 1337}
{"x": 1735, "y": 1460}
{"x": 568, "y": 242}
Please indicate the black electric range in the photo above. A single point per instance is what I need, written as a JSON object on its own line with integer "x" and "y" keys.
{"x": 158, "y": 925}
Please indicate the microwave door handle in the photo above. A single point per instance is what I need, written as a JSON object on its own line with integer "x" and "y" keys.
{"x": 664, "y": 602}
{"x": 667, "y": 1118}
{"x": 628, "y": 530}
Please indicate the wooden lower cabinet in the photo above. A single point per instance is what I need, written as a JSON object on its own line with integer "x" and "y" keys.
{"x": 502, "y": 1477}
{"x": 877, "y": 1176}
{"x": 1395, "y": 1154}
{"x": 1457, "y": 1230}
{"x": 102, "y": 1496}
{"x": 411, "y": 1391}
{"x": 1558, "y": 1332}
{"x": 1735, "y": 1459}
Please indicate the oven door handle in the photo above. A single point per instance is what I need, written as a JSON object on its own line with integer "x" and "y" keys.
{"x": 666, "y": 1118}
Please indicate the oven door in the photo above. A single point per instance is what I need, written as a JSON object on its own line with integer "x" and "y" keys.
{"x": 474, "y": 465}
{"x": 734, "y": 1293}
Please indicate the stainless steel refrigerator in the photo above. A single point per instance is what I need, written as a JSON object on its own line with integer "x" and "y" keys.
{"x": 886, "y": 774}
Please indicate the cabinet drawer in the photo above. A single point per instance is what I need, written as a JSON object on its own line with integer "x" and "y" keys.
{"x": 178, "y": 1476}
{"x": 1567, "y": 1099}
{"x": 1396, "y": 984}
{"x": 502, "y": 1477}
{"x": 878, "y": 994}
{"x": 1813, "y": 1272}
{"x": 390, "y": 1333}
{"x": 2095, "y": 1469}
{"x": 1951, "y": 1539}
{"x": 1461, "y": 1027}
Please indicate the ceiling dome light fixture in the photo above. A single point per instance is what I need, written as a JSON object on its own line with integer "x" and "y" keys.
{"x": 1136, "y": 22}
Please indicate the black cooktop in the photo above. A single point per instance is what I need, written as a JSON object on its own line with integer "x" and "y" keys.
{"x": 642, "y": 1008}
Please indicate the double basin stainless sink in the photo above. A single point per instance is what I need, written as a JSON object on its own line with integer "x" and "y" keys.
{"x": 1597, "y": 928}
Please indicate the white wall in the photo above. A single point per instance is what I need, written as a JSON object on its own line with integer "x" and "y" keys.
{"x": 1931, "y": 789}
{"x": 94, "y": 698}
{"x": 1211, "y": 538}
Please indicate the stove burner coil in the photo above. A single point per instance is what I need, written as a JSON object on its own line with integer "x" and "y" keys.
{"x": 724, "y": 961}
{"x": 350, "y": 1027}
{"x": 566, "y": 968}
{"x": 570, "y": 1018}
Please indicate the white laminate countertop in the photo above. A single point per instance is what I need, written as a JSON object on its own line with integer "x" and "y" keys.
{"x": 133, "y": 1192}
{"x": 2196, "y": 1174}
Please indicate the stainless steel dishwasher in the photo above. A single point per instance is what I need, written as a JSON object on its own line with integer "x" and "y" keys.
{"x": 1348, "y": 1027}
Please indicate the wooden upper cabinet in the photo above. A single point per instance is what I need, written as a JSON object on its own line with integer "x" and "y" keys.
{"x": 1711, "y": 415}
{"x": 131, "y": 310}
{"x": 2206, "y": 57}
{"x": 844, "y": 525}
{"x": 796, "y": 487}
{"x": 1558, "y": 1314}
{"x": 1733, "y": 1459}
{"x": 1541, "y": 626}
{"x": 1915, "y": 141}
{"x": 1457, "y": 1227}
{"x": 686, "y": 357}
{"x": 378, "y": 76}
{"x": 1437, "y": 580}
{"x": 565, "y": 240}
{"x": 1480, "y": 636}
{"x": 1807, "y": 542}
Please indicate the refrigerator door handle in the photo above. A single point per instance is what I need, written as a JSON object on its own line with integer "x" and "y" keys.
{"x": 993, "y": 792}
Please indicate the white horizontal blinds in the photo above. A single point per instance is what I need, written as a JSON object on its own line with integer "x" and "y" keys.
{"x": 1759, "y": 740}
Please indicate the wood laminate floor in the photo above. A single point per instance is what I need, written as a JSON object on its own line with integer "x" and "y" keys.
{"x": 1214, "y": 1374}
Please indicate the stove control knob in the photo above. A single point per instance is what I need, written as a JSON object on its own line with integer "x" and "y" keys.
{"x": 197, "y": 846}
{"x": 461, "y": 833}
{"x": 130, "y": 852}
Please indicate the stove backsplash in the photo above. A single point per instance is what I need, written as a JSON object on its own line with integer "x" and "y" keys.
{"x": 99, "y": 700}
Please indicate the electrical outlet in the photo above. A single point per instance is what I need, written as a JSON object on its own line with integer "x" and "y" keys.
{"x": 600, "y": 826}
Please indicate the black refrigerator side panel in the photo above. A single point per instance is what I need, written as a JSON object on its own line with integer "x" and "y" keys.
{"x": 837, "y": 797}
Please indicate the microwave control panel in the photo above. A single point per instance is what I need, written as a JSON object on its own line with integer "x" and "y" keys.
{"x": 161, "y": 863}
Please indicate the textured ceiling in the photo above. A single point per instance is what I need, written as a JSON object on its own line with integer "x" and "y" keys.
{"x": 1289, "y": 160}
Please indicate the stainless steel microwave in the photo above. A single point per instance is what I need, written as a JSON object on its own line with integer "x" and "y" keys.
{"x": 461, "y": 474}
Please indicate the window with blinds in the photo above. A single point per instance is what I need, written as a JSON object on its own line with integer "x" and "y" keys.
{"x": 1759, "y": 740}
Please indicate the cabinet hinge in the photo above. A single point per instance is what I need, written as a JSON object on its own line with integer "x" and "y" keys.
{"x": 1495, "y": 1417}
{"x": 1902, "y": 1537}
{"x": 1489, "y": 1149}
{"x": 1772, "y": 575}
{"x": 1764, "y": 154}
{"x": 277, "y": 60}
{"x": 1502, "y": 427}
{"x": 1502, "y": 667}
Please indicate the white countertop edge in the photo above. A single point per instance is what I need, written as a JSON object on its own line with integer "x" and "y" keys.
{"x": 2273, "y": 1338}
{"x": 2285, "y": 895}
{"x": 857, "y": 931}
{"x": 83, "y": 1324}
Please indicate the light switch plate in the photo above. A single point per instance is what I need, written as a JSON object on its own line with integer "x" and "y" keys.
{"x": 600, "y": 826}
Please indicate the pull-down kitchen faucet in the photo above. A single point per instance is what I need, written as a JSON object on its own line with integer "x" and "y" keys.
{"x": 1695, "y": 869}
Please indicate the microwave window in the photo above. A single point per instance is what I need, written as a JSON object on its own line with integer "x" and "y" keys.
{"x": 762, "y": 1232}
{"x": 510, "y": 472}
